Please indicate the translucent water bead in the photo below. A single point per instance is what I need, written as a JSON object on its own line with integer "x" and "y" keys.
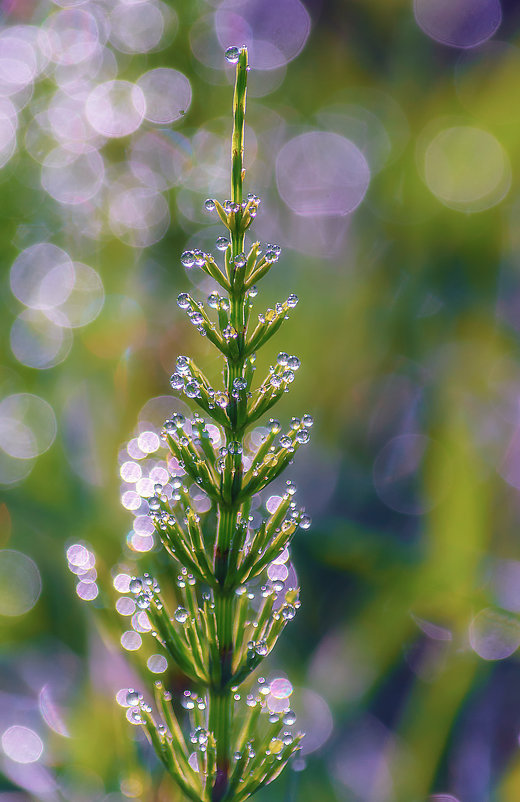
{"x": 188, "y": 258}
{"x": 222, "y": 243}
{"x": 240, "y": 260}
{"x": 232, "y": 54}
{"x": 239, "y": 383}
{"x": 183, "y": 364}
{"x": 209, "y": 204}
{"x": 183, "y": 300}
{"x": 292, "y": 300}
{"x": 181, "y": 615}
{"x": 196, "y": 317}
{"x": 192, "y": 389}
{"x": 132, "y": 698}
{"x": 176, "y": 381}
{"x": 200, "y": 258}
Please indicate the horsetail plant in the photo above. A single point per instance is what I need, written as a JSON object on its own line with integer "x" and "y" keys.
{"x": 216, "y": 636}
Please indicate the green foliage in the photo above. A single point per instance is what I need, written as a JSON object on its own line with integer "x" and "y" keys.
{"x": 214, "y": 636}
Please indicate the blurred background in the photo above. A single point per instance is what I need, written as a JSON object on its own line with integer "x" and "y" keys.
{"x": 383, "y": 138}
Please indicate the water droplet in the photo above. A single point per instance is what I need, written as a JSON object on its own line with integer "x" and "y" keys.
{"x": 132, "y": 698}
{"x": 291, "y": 487}
{"x": 234, "y": 447}
{"x": 305, "y": 521}
{"x": 196, "y": 317}
{"x": 232, "y": 54}
{"x": 261, "y": 648}
{"x": 273, "y": 717}
{"x": 303, "y": 436}
{"x": 187, "y": 258}
{"x": 183, "y": 300}
{"x": 237, "y": 755}
{"x": 143, "y": 601}
{"x": 295, "y": 423}
{"x": 253, "y": 292}
{"x": 222, "y": 243}
{"x": 230, "y": 333}
{"x": 176, "y": 381}
{"x": 183, "y": 364}
{"x": 293, "y": 362}
{"x": 214, "y": 300}
{"x": 192, "y": 389}
{"x": 289, "y": 717}
{"x": 307, "y": 421}
{"x": 239, "y": 383}
{"x": 135, "y": 585}
{"x": 209, "y": 204}
{"x": 274, "y": 425}
{"x": 282, "y": 358}
{"x": 285, "y": 441}
{"x": 181, "y": 615}
{"x": 288, "y": 612}
{"x": 292, "y": 300}
{"x": 239, "y": 260}
{"x": 200, "y": 258}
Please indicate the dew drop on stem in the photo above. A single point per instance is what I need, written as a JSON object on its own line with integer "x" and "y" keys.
{"x": 232, "y": 54}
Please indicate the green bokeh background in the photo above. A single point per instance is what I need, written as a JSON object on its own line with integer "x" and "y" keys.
{"x": 411, "y": 327}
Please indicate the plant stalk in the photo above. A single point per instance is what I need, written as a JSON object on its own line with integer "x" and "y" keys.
{"x": 221, "y": 697}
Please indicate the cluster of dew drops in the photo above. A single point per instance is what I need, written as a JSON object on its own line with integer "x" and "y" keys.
{"x": 182, "y": 379}
{"x": 273, "y": 698}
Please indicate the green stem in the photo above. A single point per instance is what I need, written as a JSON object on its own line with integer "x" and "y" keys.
{"x": 220, "y": 725}
{"x": 220, "y": 696}
{"x": 239, "y": 114}
{"x": 237, "y": 145}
